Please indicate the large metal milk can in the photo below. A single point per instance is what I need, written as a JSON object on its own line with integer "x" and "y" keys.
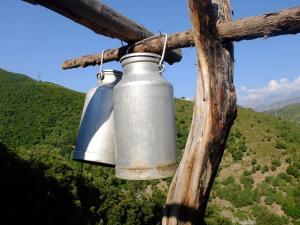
{"x": 144, "y": 120}
{"x": 95, "y": 140}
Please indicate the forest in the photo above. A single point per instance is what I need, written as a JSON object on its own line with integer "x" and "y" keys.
{"x": 258, "y": 181}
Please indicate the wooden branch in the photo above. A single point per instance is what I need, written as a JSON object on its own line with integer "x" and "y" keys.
{"x": 286, "y": 21}
{"x": 103, "y": 20}
{"x": 154, "y": 46}
{"x": 98, "y": 17}
{"x": 272, "y": 24}
{"x": 213, "y": 116}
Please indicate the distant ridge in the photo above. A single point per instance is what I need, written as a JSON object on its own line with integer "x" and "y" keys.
{"x": 277, "y": 104}
{"x": 289, "y": 112}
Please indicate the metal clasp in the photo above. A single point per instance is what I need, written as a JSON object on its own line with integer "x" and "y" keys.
{"x": 100, "y": 74}
{"x": 161, "y": 66}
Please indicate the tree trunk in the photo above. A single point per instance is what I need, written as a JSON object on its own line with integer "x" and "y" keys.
{"x": 213, "y": 116}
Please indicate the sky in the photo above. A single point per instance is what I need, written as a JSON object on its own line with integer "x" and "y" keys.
{"x": 35, "y": 41}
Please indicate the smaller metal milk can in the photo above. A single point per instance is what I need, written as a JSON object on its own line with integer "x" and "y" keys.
{"x": 144, "y": 119}
{"x": 95, "y": 141}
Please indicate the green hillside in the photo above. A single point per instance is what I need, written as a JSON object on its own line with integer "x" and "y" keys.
{"x": 290, "y": 112}
{"x": 36, "y": 112}
{"x": 258, "y": 183}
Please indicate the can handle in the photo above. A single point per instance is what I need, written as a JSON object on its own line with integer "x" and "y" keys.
{"x": 100, "y": 74}
{"x": 160, "y": 64}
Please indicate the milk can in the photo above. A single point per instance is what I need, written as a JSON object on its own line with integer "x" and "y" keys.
{"x": 95, "y": 141}
{"x": 144, "y": 120}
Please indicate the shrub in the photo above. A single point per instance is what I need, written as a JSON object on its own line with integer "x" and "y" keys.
{"x": 291, "y": 210}
{"x": 213, "y": 216}
{"x": 238, "y": 133}
{"x": 269, "y": 199}
{"x": 293, "y": 170}
{"x": 233, "y": 192}
{"x": 236, "y": 145}
{"x": 273, "y": 167}
{"x": 253, "y": 169}
{"x": 246, "y": 181}
{"x": 264, "y": 169}
{"x": 280, "y": 145}
{"x": 228, "y": 180}
{"x": 268, "y": 179}
{"x": 275, "y": 162}
{"x": 257, "y": 168}
{"x": 277, "y": 181}
{"x": 247, "y": 172}
{"x": 241, "y": 215}
{"x": 264, "y": 217}
{"x": 253, "y": 162}
{"x": 284, "y": 176}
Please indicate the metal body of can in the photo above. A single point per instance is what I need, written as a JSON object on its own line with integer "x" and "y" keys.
{"x": 95, "y": 141}
{"x": 90, "y": 93}
{"x": 144, "y": 120}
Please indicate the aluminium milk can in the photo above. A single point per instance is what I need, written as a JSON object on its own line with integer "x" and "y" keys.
{"x": 90, "y": 93}
{"x": 95, "y": 141}
{"x": 144, "y": 120}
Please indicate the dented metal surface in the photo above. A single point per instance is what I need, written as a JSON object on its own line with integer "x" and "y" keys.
{"x": 144, "y": 120}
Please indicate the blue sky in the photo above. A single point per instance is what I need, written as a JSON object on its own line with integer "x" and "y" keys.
{"x": 35, "y": 41}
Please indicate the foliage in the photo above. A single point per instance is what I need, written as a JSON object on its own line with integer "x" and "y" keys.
{"x": 47, "y": 114}
{"x": 213, "y": 216}
{"x": 293, "y": 170}
{"x": 236, "y": 144}
{"x": 265, "y": 217}
{"x": 275, "y": 162}
{"x": 40, "y": 184}
{"x": 264, "y": 169}
{"x": 184, "y": 110}
{"x": 233, "y": 192}
{"x": 246, "y": 181}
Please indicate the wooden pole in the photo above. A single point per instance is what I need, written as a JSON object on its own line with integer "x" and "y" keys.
{"x": 268, "y": 25}
{"x": 103, "y": 20}
{"x": 213, "y": 116}
{"x": 98, "y": 17}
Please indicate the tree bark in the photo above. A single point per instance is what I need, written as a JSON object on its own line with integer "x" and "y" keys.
{"x": 271, "y": 24}
{"x": 103, "y": 20}
{"x": 98, "y": 17}
{"x": 154, "y": 46}
{"x": 213, "y": 116}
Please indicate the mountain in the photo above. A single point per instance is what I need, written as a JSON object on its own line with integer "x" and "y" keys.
{"x": 271, "y": 104}
{"x": 290, "y": 112}
{"x": 258, "y": 181}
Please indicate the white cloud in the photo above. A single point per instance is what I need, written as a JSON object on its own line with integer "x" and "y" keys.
{"x": 275, "y": 91}
{"x": 243, "y": 88}
{"x": 273, "y": 85}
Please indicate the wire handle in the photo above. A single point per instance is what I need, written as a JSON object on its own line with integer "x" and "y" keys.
{"x": 160, "y": 64}
{"x": 100, "y": 74}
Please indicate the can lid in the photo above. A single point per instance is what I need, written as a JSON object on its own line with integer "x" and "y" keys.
{"x": 112, "y": 72}
{"x": 142, "y": 56}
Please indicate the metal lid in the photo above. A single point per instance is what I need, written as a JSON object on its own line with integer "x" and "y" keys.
{"x": 112, "y": 72}
{"x": 140, "y": 57}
